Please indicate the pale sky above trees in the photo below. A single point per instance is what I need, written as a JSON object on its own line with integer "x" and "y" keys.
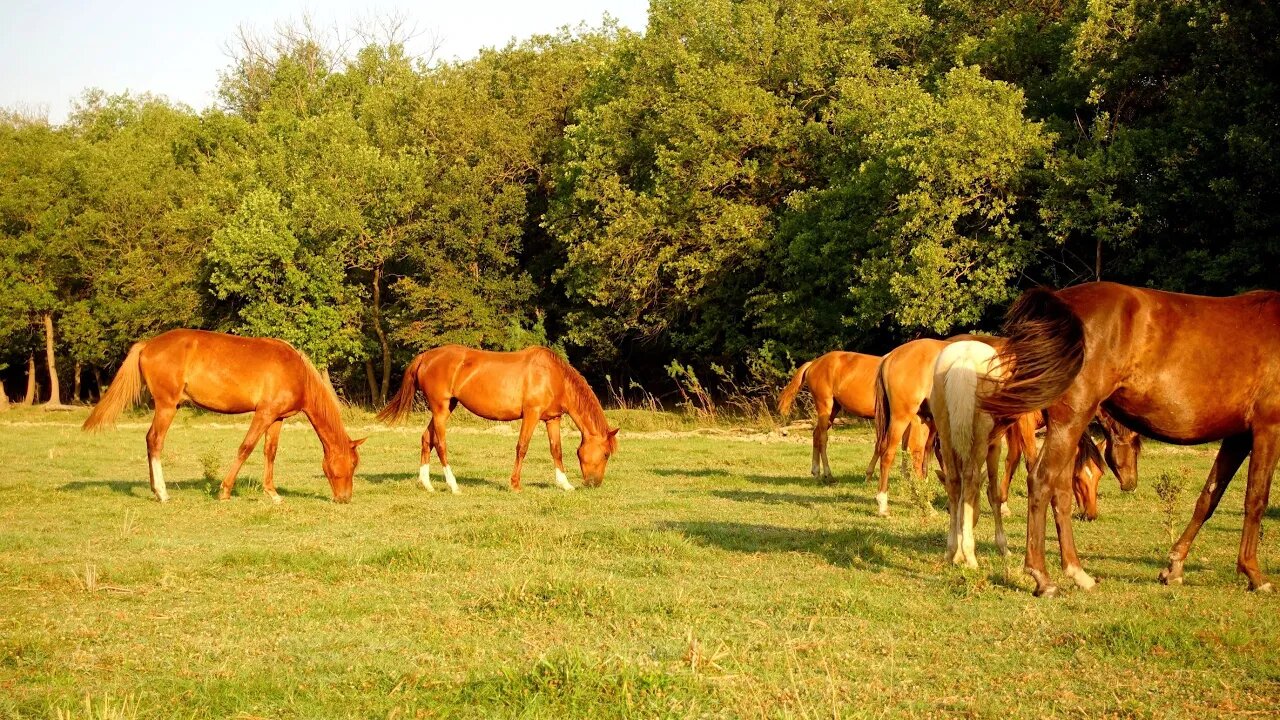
{"x": 51, "y": 50}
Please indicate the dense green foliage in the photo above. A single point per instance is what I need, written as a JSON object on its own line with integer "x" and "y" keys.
{"x": 745, "y": 184}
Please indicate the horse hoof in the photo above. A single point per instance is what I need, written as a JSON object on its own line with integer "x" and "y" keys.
{"x": 1263, "y": 588}
{"x": 224, "y": 496}
{"x": 276, "y": 499}
{"x": 1168, "y": 577}
{"x": 1049, "y": 591}
{"x": 1004, "y": 510}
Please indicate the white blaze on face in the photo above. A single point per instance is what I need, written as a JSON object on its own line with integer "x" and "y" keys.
{"x": 451, "y": 480}
{"x": 562, "y": 481}
{"x": 157, "y": 481}
{"x": 424, "y": 477}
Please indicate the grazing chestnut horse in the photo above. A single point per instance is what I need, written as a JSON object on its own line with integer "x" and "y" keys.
{"x": 530, "y": 385}
{"x": 1180, "y": 368}
{"x": 231, "y": 374}
{"x": 838, "y": 381}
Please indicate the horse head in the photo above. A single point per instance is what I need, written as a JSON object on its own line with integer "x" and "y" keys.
{"x": 340, "y": 461}
{"x": 1123, "y": 446}
{"x": 593, "y": 455}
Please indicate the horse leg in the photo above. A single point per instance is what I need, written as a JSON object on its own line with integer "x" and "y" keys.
{"x": 155, "y": 446}
{"x": 1230, "y": 456}
{"x": 826, "y": 461}
{"x": 527, "y": 423}
{"x": 557, "y": 453}
{"x": 261, "y": 421}
{"x": 897, "y": 426}
{"x": 823, "y": 412}
{"x": 918, "y": 444}
{"x": 424, "y": 459}
{"x": 969, "y": 486}
{"x": 1049, "y": 482}
{"x": 951, "y": 481}
{"x": 994, "y": 489}
{"x": 1013, "y": 453}
{"x": 269, "y": 447}
{"x": 1262, "y": 463}
{"x": 439, "y": 417}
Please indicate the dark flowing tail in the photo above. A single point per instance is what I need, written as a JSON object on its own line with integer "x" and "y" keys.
{"x": 789, "y": 393}
{"x": 882, "y": 413}
{"x": 1044, "y": 353}
{"x": 402, "y": 403}
{"x": 123, "y": 392}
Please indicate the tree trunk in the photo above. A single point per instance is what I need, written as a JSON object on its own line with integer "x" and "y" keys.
{"x": 30, "y": 398}
{"x": 373, "y": 382}
{"x": 55, "y": 398}
{"x": 75, "y": 391}
{"x": 382, "y": 337}
{"x": 97, "y": 386}
{"x": 1097, "y": 261}
{"x": 4, "y": 399}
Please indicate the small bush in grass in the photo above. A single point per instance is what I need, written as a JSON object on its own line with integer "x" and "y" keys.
{"x": 211, "y": 464}
{"x": 919, "y": 491}
{"x": 1168, "y": 487}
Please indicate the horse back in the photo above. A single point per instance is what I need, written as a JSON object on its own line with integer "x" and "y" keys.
{"x": 223, "y": 373}
{"x": 1178, "y": 367}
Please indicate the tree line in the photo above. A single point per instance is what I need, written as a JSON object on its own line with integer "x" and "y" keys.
{"x": 742, "y": 186}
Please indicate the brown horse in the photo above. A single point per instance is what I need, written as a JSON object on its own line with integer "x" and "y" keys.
{"x": 838, "y": 381}
{"x": 231, "y": 374}
{"x": 530, "y": 385}
{"x": 1158, "y": 362}
{"x": 903, "y": 384}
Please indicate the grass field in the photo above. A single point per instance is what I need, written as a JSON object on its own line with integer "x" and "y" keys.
{"x": 709, "y": 576}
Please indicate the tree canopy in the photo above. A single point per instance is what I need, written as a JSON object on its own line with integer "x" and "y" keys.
{"x": 744, "y": 185}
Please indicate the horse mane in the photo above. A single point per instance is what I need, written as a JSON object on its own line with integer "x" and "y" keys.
{"x": 325, "y": 403}
{"x": 580, "y": 395}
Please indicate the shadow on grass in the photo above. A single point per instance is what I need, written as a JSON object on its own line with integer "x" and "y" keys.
{"x": 796, "y": 479}
{"x": 437, "y": 480}
{"x": 785, "y": 498}
{"x": 841, "y": 548}
{"x": 142, "y": 489}
{"x": 122, "y": 487}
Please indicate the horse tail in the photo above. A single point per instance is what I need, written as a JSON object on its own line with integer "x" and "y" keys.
{"x": 883, "y": 410}
{"x": 1044, "y": 353}
{"x": 123, "y": 392}
{"x": 402, "y": 403}
{"x": 960, "y": 392}
{"x": 789, "y": 393}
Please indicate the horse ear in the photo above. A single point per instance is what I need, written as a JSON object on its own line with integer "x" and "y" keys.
{"x": 613, "y": 432}
{"x": 357, "y": 443}
{"x": 613, "y": 440}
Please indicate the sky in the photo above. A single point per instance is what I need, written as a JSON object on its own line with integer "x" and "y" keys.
{"x": 52, "y": 50}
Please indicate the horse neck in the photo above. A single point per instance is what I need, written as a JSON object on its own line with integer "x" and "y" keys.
{"x": 326, "y": 416}
{"x": 586, "y": 411}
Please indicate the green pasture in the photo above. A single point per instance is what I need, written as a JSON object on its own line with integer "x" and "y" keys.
{"x": 710, "y": 576}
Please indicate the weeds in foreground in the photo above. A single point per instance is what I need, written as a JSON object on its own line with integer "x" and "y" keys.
{"x": 1169, "y": 486}
{"x": 105, "y": 709}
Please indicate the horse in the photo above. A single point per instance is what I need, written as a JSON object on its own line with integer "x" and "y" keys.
{"x": 528, "y": 385}
{"x": 838, "y": 381}
{"x": 231, "y": 374}
{"x": 902, "y": 389}
{"x": 1183, "y": 369}
{"x": 968, "y": 440}
{"x": 1118, "y": 450}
